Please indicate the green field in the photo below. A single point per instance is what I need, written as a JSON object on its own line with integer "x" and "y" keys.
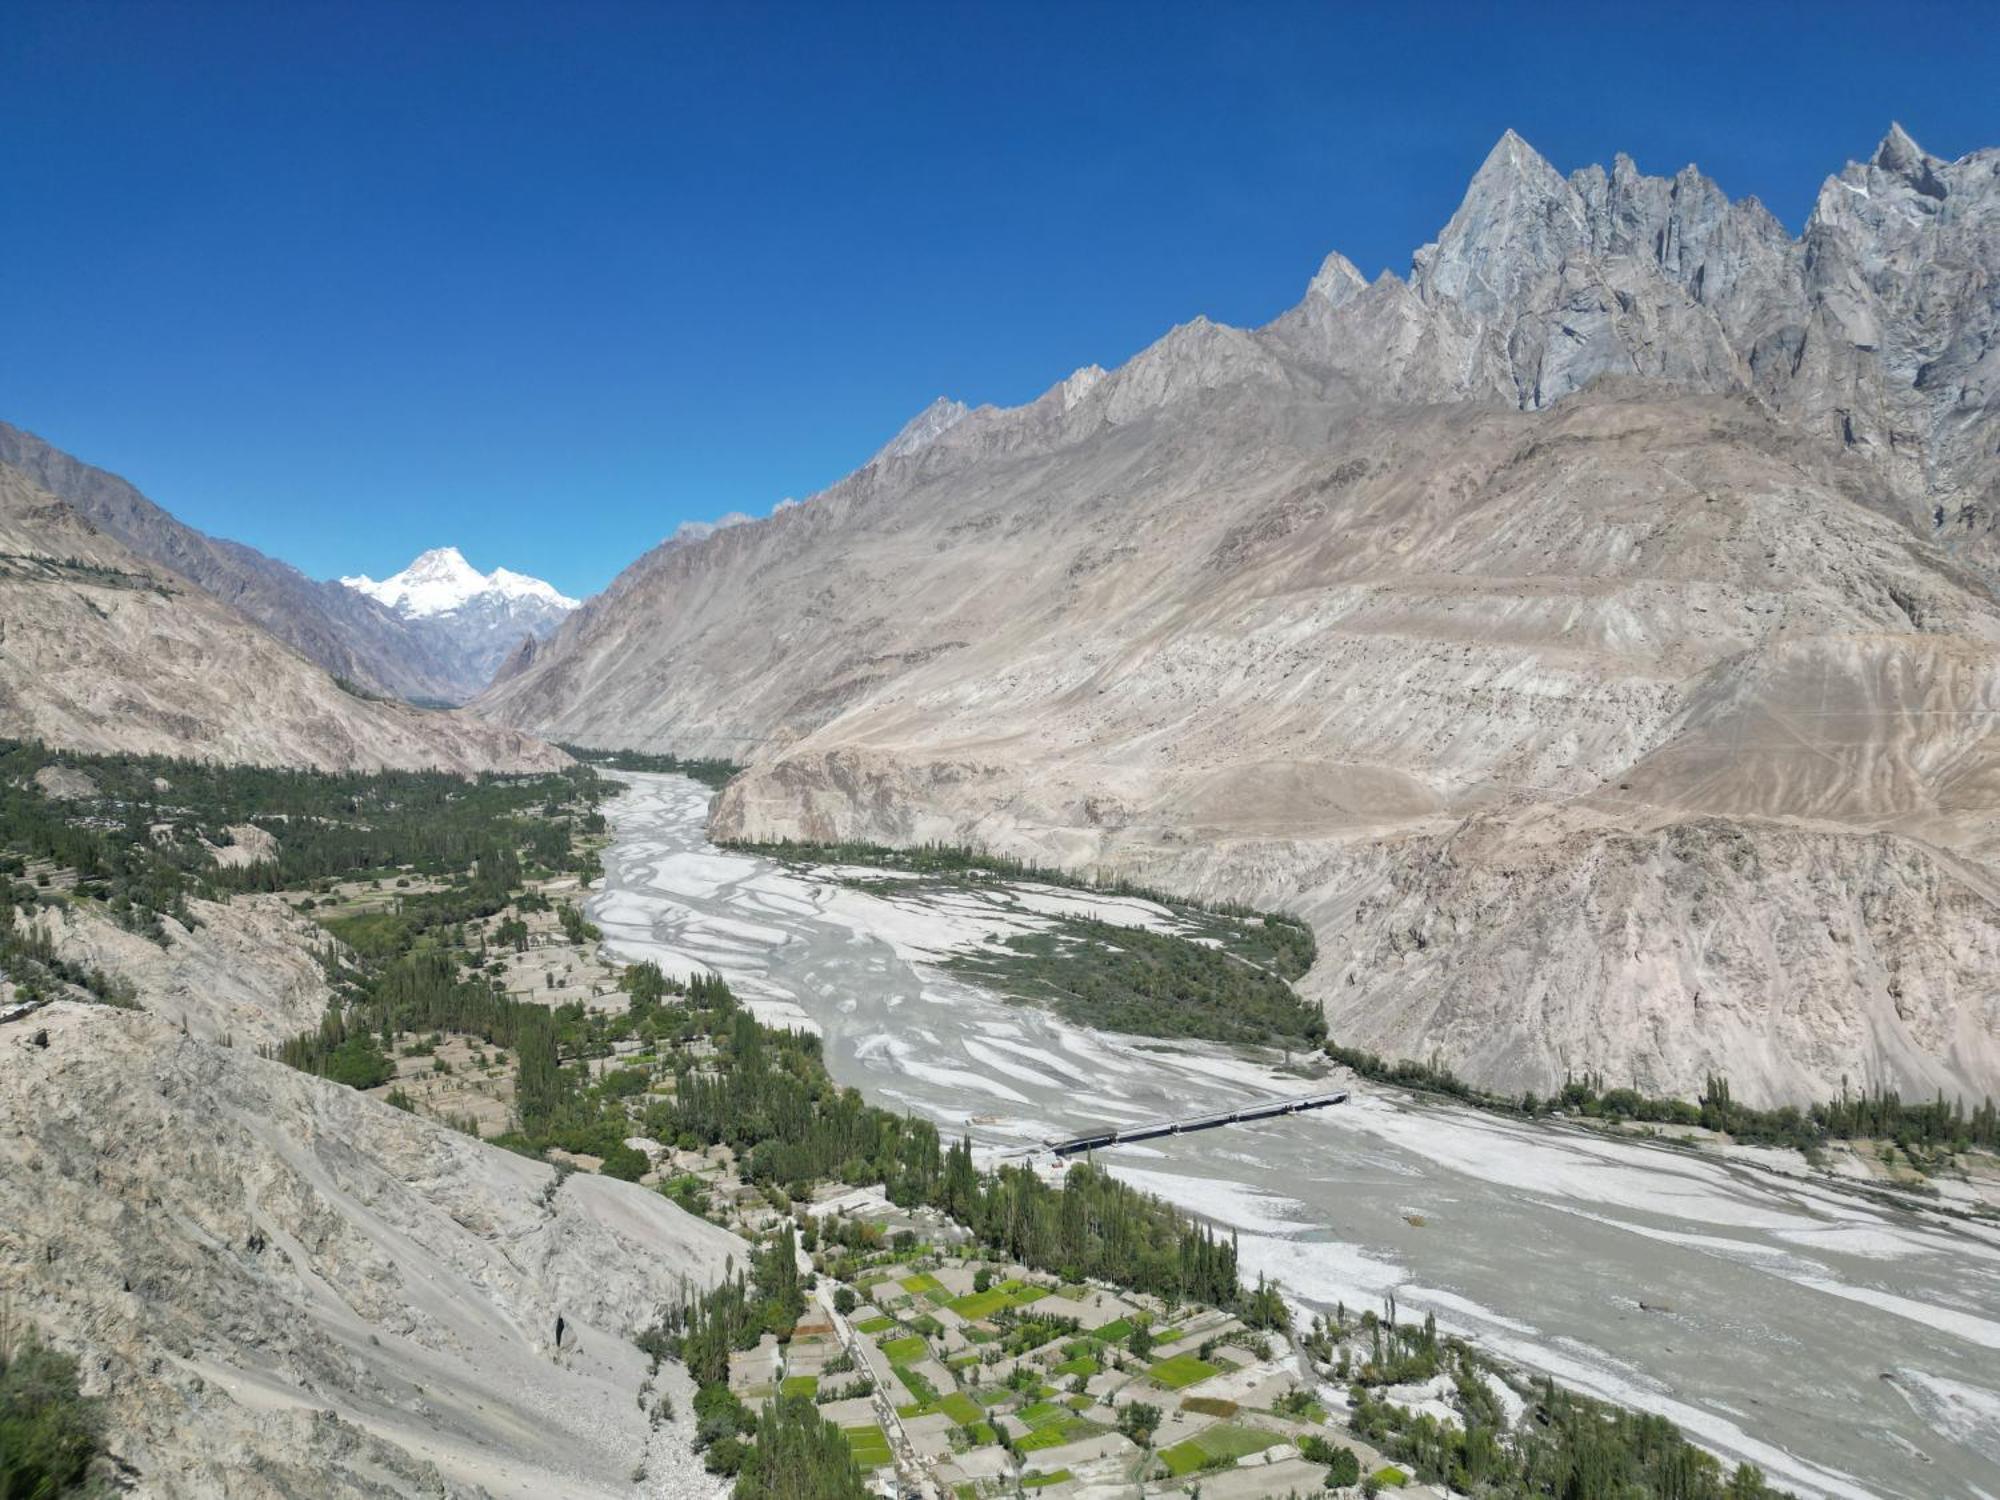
{"x": 1182, "y": 1371}
{"x": 875, "y": 1325}
{"x": 869, "y": 1445}
{"x": 1050, "y": 1426}
{"x": 975, "y": 1306}
{"x": 904, "y": 1351}
{"x": 960, "y": 1407}
{"x": 1221, "y": 1444}
{"x": 799, "y": 1385}
{"x": 1043, "y": 1481}
{"x": 923, "y": 1284}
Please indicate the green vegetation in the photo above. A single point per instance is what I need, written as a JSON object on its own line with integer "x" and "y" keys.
{"x": 765, "y": 1093}
{"x": 1883, "y": 1115}
{"x": 1224, "y": 976}
{"x": 1284, "y": 943}
{"x": 49, "y": 1432}
{"x": 1182, "y": 1371}
{"x": 715, "y": 773}
{"x": 905, "y": 1350}
{"x": 34, "y": 568}
{"x": 799, "y": 1455}
{"x": 1566, "y": 1445}
{"x": 869, "y": 1446}
{"x": 143, "y": 843}
{"x": 1139, "y": 1420}
{"x": 1216, "y": 1448}
{"x": 1148, "y": 983}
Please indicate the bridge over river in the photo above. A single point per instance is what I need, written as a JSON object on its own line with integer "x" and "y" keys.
{"x": 1264, "y": 1109}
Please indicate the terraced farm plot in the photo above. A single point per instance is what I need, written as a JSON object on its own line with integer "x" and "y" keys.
{"x": 799, "y": 1385}
{"x": 1182, "y": 1371}
{"x": 1224, "y": 1443}
{"x": 923, "y": 1284}
{"x": 1043, "y": 1481}
{"x": 960, "y": 1407}
{"x": 1208, "y": 1406}
{"x": 1050, "y": 1426}
{"x": 869, "y": 1445}
{"x": 974, "y": 1307}
{"x": 875, "y": 1325}
{"x": 904, "y": 1351}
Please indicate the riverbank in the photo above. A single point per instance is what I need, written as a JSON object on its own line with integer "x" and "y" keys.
{"x": 1710, "y": 1291}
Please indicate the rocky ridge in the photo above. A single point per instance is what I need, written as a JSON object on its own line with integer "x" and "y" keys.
{"x": 103, "y": 650}
{"x": 1515, "y": 621}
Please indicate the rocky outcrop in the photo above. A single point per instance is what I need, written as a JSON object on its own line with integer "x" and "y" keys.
{"x": 1624, "y": 513}
{"x": 282, "y": 1288}
{"x": 102, "y": 650}
{"x": 247, "y": 972}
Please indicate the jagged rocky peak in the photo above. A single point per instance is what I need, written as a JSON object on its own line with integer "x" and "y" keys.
{"x": 925, "y": 428}
{"x": 1902, "y": 156}
{"x": 441, "y": 581}
{"x": 1337, "y": 282}
{"x": 1519, "y": 217}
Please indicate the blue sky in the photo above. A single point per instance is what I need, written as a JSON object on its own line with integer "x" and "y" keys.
{"x": 544, "y": 281}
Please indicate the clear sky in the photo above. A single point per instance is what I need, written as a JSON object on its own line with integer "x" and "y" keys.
{"x": 543, "y": 281}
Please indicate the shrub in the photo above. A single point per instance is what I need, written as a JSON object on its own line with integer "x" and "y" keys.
{"x": 49, "y": 1432}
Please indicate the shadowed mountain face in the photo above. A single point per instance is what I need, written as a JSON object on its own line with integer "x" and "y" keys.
{"x": 1591, "y": 633}
{"x": 351, "y": 634}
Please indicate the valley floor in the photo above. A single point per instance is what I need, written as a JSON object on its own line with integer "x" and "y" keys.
{"x": 1711, "y": 1291}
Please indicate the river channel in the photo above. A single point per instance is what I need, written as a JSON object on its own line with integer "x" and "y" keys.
{"x": 1846, "y": 1347}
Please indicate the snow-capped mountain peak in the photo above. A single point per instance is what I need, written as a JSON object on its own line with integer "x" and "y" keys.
{"x": 442, "y": 582}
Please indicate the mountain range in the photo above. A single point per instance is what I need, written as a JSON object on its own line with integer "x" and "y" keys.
{"x": 419, "y": 655}
{"x": 483, "y": 616}
{"x": 123, "y": 630}
{"x": 1592, "y": 632}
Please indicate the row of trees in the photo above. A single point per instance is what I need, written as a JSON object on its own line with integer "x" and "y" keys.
{"x": 1881, "y": 1114}
{"x": 766, "y": 1094}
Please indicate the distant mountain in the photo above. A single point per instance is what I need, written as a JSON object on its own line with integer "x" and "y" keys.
{"x": 422, "y": 654}
{"x": 1592, "y": 632}
{"x": 486, "y": 616}
{"x": 104, "y": 650}
{"x": 347, "y": 633}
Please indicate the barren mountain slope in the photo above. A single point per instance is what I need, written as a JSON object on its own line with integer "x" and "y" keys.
{"x": 286, "y": 1289}
{"x": 348, "y": 634}
{"x": 247, "y": 973}
{"x": 100, "y": 650}
{"x": 1596, "y": 720}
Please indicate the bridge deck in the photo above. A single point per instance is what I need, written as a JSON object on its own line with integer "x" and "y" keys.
{"x": 1263, "y": 1109}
